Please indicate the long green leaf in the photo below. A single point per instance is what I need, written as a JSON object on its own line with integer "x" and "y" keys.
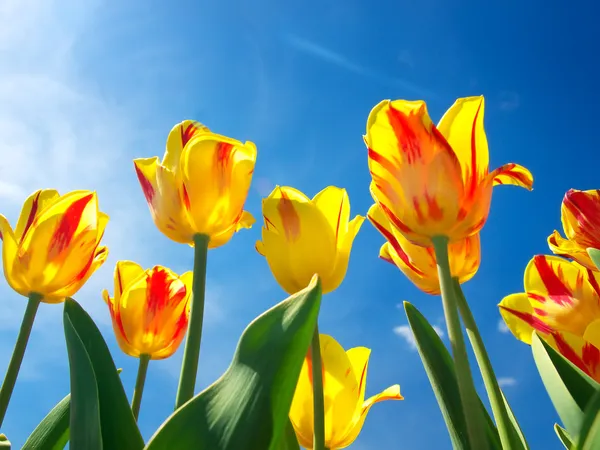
{"x": 589, "y": 434}
{"x": 289, "y": 440}
{"x": 564, "y": 437}
{"x": 84, "y": 420}
{"x": 568, "y": 387}
{"x": 247, "y": 408}
{"x": 52, "y": 433}
{"x": 440, "y": 371}
{"x": 516, "y": 428}
{"x": 119, "y": 428}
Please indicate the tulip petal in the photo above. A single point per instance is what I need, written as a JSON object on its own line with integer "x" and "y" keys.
{"x": 592, "y": 333}
{"x": 580, "y": 352}
{"x": 178, "y": 137}
{"x": 246, "y": 221}
{"x": 580, "y": 215}
{"x": 562, "y": 292}
{"x": 391, "y": 393}
{"x": 570, "y": 249}
{"x": 343, "y": 255}
{"x": 519, "y": 317}
{"x": 334, "y": 203}
{"x": 462, "y": 126}
{"x": 513, "y": 174}
{"x": 32, "y": 207}
{"x": 359, "y": 358}
{"x": 15, "y": 277}
{"x": 126, "y": 274}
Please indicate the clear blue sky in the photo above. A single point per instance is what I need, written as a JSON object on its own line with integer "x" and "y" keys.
{"x": 87, "y": 86}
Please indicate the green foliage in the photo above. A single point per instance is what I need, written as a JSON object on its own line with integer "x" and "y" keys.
{"x": 53, "y": 431}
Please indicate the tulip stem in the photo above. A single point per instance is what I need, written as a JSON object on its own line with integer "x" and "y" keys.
{"x": 499, "y": 408}
{"x": 191, "y": 352}
{"x": 466, "y": 388}
{"x": 318, "y": 397}
{"x": 19, "y": 351}
{"x": 139, "y": 385}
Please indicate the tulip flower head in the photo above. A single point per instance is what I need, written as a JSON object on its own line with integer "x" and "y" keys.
{"x": 562, "y": 303}
{"x": 149, "y": 310}
{"x": 419, "y": 263}
{"x": 302, "y": 237}
{"x": 580, "y": 214}
{"x": 55, "y": 246}
{"x": 434, "y": 181}
{"x": 200, "y": 186}
{"x": 344, "y": 382}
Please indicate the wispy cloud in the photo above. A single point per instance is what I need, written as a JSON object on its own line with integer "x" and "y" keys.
{"x": 507, "y": 381}
{"x": 502, "y": 328}
{"x": 405, "y": 333}
{"x": 509, "y": 101}
{"x": 329, "y": 56}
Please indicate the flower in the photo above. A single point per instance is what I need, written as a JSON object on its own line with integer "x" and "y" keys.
{"x": 55, "y": 247}
{"x": 344, "y": 380}
{"x": 200, "y": 186}
{"x": 562, "y": 303}
{"x": 434, "y": 181}
{"x": 419, "y": 263}
{"x": 302, "y": 237}
{"x": 150, "y": 309}
{"x": 580, "y": 214}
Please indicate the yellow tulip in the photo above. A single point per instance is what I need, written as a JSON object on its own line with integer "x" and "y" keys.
{"x": 434, "y": 181}
{"x": 344, "y": 381}
{"x": 302, "y": 237}
{"x": 149, "y": 310}
{"x": 200, "y": 186}
{"x": 419, "y": 263}
{"x": 55, "y": 247}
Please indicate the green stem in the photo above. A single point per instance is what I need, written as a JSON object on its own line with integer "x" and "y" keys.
{"x": 17, "y": 357}
{"x": 487, "y": 372}
{"x": 466, "y": 388}
{"x": 191, "y": 352}
{"x": 139, "y": 385}
{"x": 318, "y": 398}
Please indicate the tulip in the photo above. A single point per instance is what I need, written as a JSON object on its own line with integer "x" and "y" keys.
{"x": 49, "y": 256}
{"x": 434, "y": 181}
{"x": 149, "y": 309}
{"x": 302, "y": 237}
{"x": 344, "y": 381}
{"x": 562, "y": 303}
{"x": 580, "y": 214}
{"x": 200, "y": 186}
{"x": 419, "y": 263}
{"x": 55, "y": 247}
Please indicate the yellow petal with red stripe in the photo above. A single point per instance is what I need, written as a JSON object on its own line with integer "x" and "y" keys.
{"x": 580, "y": 352}
{"x": 570, "y": 249}
{"x": 177, "y": 139}
{"x": 513, "y": 174}
{"x": 519, "y": 317}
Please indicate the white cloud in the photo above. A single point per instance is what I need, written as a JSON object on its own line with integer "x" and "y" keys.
{"x": 502, "y": 328}
{"x": 405, "y": 333}
{"x": 507, "y": 381}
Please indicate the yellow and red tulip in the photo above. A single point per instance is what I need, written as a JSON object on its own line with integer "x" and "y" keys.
{"x": 302, "y": 237}
{"x": 562, "y": 303}
{"x": 200, "y": 186}
{"x": 419, "y": 263}
{"x": 344, "y": 382}
{"x": 434, "y": 181}
{"x": 55, "y": 246}
{"x": 580, "y": 214}
{"x": 149, "y": 310}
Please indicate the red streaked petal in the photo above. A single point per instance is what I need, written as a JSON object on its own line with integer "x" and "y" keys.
{"x": 513, "y": 174}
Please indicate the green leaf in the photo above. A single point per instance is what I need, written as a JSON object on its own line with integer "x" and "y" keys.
{"x": 289, "y": 440}
{"x": 440, "y": 370}
{"x": 589, "y": 434}
{"x": 595, "y": 255}
{"x": 52, "y": 433}
{"x": 563, "y": 436}
{"x": 119, "y": 428}
{"x": 568, "y": 387}
{"x": 516, "y": 429}
{"x": 248, "y": 406}
{"x": 85, "y": 418}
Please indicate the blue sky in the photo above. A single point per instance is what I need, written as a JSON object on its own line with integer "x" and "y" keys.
{"x": 85, "y": 87}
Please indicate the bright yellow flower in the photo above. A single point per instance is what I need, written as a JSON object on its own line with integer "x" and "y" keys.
{"x": 55, "y": 247}
{"x": 344, "y": 381}
{"x": 302, "y": 237}
{"x": 419, "y": 263}
{"x": 200, "y": 186}
{"x": 150, "y": 309}
{"x": 580, "y": 214}
{"x": 562, "y": 303}
{"x": 434, "y": 181}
